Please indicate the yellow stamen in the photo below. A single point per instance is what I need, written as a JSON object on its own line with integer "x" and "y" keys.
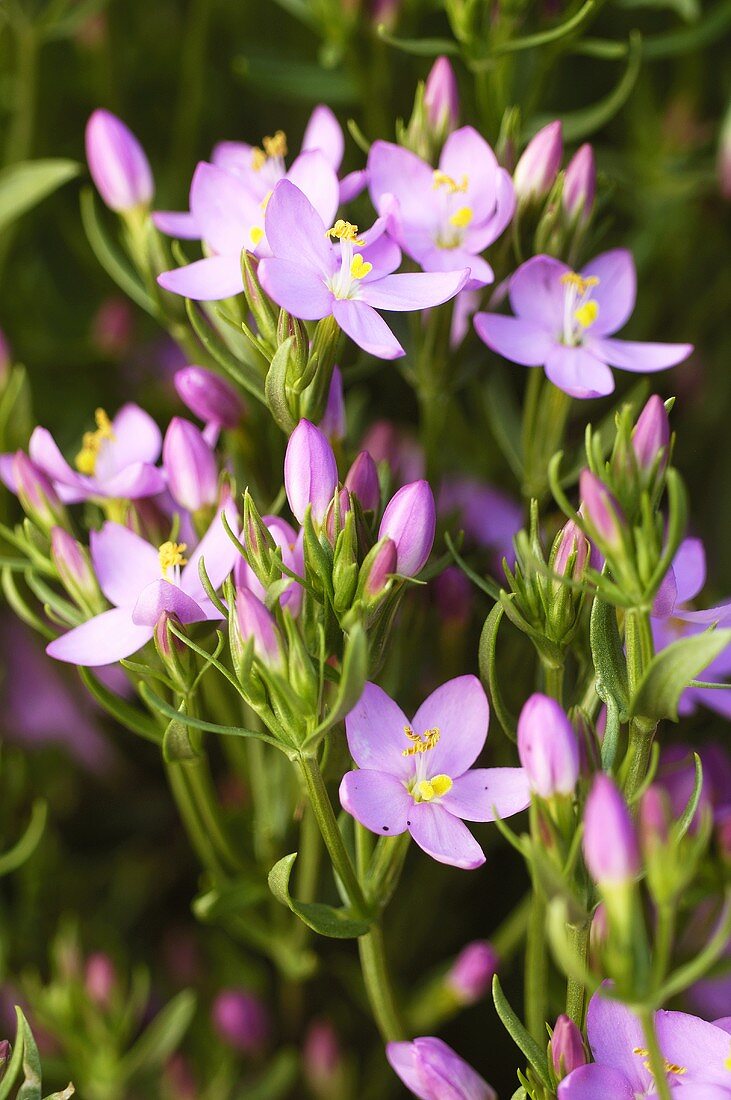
{"x": 581, "y": 284}
{"x": 441, "y": 179}
{"x": 462, "y": 217}
{"x": 170, "y": 555}
{"x": 429, "y": 789}
{"x": 91, "y": 443}
{"x": 265, "y": 201}
{"x": 258, "y": 158}
{"x": 345, "y": 231}
{"x": 256, "y": 234}
{"x": 359, "y": 267}
{"x": 420, "y": 742}
{"x": 587, "y": 313}
{"x": 641, "y": 1051}
{"x": 276, "y": 146}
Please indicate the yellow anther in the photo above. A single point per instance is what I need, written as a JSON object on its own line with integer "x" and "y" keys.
{"x": 170, "y": 554}
{"x": 276, "y": 146}
{"x": 420, "y": 742}
{"x": 462, "y": 217}
{"x": 91, "y": 443}
{"x": 256, "y": 234}
{"x": 442, "y": 179}
{"x": 641, "y": 1051}
{"x": 587, "y": 313}
{"x": 429, "y": 789}
{"x": 258, "y": 158}
{"x": 265, "y": 201}
{"x": 671, "y": 1067}
{"x": 345, "y": 231}
{"x": 579, "y": 282}
{"x": 359, "y": 267}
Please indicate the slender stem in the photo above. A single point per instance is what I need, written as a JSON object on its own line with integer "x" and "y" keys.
{"x": 536, "y": 969}
{"x": 663, "y": 942}
{"x": 578, "y": 935}
{"x": 655, "y": 1058}
{"x": 639, "y": 649}
{"x": 378, "y": 985}
{"x": 200, "y": 784}
{"x": 191, "y": 820}
{"x": 554, "y": 681}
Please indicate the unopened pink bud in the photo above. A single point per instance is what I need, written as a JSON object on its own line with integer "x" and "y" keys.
{"x": 654, "y": 819}
{"x": 441, "y": 97}
{"x": 310, "y": 472}
{"x": 190, "y": 465}
{"x": 651, "y": 435}
{"x": 570, "y": 542}
{"x": 255, "y": 621}
{"x": 536, "y": 171}
{"x": 579, "y": 187}
{"x": 322, "y": 1058}
{"x": 567, "y": 1048}
{"x": 117, "y": 162}
{"x": 100, "y": 979}
{"x": 548, "y": 747}
{"x": 209, "y": 397}
{"x": 410, "y": 520}
{"x": 242, "y": 1020}
{"x": 379, "y": 567}
{"x": 36, "y": 494}
{"x": 473, "y": 971}
{"x": 73, "y": 566}
{"x": 610, "y": 841}
{"x": 113, "y": 325}
{"x": 601, "y": 511}
{"x": 362, "y": 481}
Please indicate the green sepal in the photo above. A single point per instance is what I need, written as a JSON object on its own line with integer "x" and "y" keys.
{"x": 609, "y": 660}
{"x": 326, "y": 920}
{"x": 178, "y": 747}
{"x": 277, "y": 389}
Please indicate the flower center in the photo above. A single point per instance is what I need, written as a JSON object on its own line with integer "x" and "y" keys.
{"x": 352, "y": 267}
{"x": 425, "y": 788}
{"x": 344, "y": 231}
{"x": 92, "y": 442}
{"x": 274, "y": 148}
{"x": 448, "y": 183}
{"x": 580, "y": 310}
{"x": 170, "y": 555}
{"x": 670, "y": 1067}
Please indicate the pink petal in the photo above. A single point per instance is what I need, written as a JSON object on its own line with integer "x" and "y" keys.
{"x": 497, "y": 223}
{"x": 616, "y": 291}
{"x": 689, "y": 567}
{"x": 444, "y": 837}
{"x": 375, "y": 731}
{"x": 595, "y": 1083}
{"x": 579, "y": 373}
{"x": 537, "y": 293}
{"x": 323, "y": 132}
{"x": 223, "y": 207}
{"x": 377, "y": 799}
{"x": 353, "y": 185}
{"x": 206, "y": 280}
{"x": 161, "y": 596}
{"x": 218, "y": 552}
{"x": 296, "y": 288}
{"x": 137, "y": 438}
{"x": 700, "y": 1047}
{"x": 483, "y": 794}
{"x": 43, "y": 450}
{"x": 317, "y": 180}
{"x": 135, "y": 481}
{"x": 296, "y": 231}
{"x": 178, "y": 224}
{"x": 466, "y": 153}
{"x": 635, "y": 355}
{"x": 123, "y": 562}
{"x": 103, "y": 640}
{"x": 397, "y": 172}
{"x": 614, "y": 1033}
{"x": 234, "y": 156}
{"x": 364, "y": 326}
{"x": 460, "y": 711}
{"x": 521, "y": 341}
{"x": 384, "y": 254}
{"x": 413, "y": 290}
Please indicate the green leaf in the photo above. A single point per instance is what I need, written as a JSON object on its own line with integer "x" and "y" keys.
{"x": 671, "y": 671}
{"x": 276, "y": 388}
{"x": 488, "y": 671}
{"x": 246, "y": 376}
{"x": 31, "y": 1086}
{"x": 609, "y": 660}
{"x": 690, "y": 39}
{"x": 166, "y": 709}
{"x": 131, "y": 717}
{"x": 162, "y": 1037}
{"x": 326, "y": 920}
{"x": 420, "y": 47}
{"x": 352, "y": 680}
{"x": 25, "y": 847}
{"x": 685, "y": 819}
{"x": 233, "y": 898}
{"x": 177, "y": 745}
{"x": 525, "y": 1042}
{"x": 542, "y": 38}
{"x": 25, "y": 184}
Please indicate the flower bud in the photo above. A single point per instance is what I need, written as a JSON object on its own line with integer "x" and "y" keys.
{"x": 410, "y": 520}
{"x": 242, "y": 1020}
{"x": 432, "y": 1071}
{"x": 651, "y": 435}
{"x": 112, "y": 327}
{"x": 100, "y": 979}
{"x": 36, "y": 494}
{"x": 362, "y": 481}
{"x": 340, "y": 506}
{"x": 209, "y": 397}
{"x": 333, "y": 419}
{"x": 570, "y": 544}
{"x": 74, "y": 568}
{"x": 117, "y": 162}
{"x": 472, "y": 972}
{"x": 536, "y": 171}
{"x": 299, "y": 350}
{"x": 322, "y": 1059}
{"x": 548, "y": 747}
{"x": 601, "y": 510}
{"x": 579, "y": 186}
{"x": 190, "y": 465}
{"x": 441, "y": 97}
{"x": 255, "y": 621}
{"x": 567, "y": 1048}
{"x": 310, "y": 472}
{"x": 172, "y": 651}
{"x": 377, "y": 569}
{"x": 610, "y": 841}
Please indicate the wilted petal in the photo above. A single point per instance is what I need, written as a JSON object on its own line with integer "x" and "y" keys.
{"x": 366, "y": 328}
{"x": 483, "y": 794}
{"x": 377, "y": 800}
{"x": 635, "y": 355}
{"x": 579, "y": 373}
{"x": 460, "y": 711}
{"x": 206, "y": 280}
{"x": 524, "y": 342}
{"x": 103, "y": 640}
{"x": 444, "y": 837}
{"x": 375, "y": 731}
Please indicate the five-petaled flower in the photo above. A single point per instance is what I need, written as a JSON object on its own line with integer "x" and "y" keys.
{"x": 418, "y": 775}
{"x": 565, "y": 322}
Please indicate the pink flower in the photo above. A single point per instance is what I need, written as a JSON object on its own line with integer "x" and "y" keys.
{"x": 431, "y": 1070}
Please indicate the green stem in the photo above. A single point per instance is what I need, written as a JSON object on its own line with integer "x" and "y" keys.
{"x": 578, "y": 935}
{"x": 199, "y": 781}
{"x": 536, "y": 969}
{"x": 663, "y": 943}
{"x": 189, "y": 815}
{"x": 639, "y": 649}
{"x": 378, "y": 985}
{"x": 655, "y": 1057}
{"x": 554, "y": 681}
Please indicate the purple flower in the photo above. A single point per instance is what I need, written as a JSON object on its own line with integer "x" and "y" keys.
{"x": 548, "y": 747}
{"x": 143, "y": 582}
{"x": 190, "y": 466}
{"x": 472, "y": 971}
{"x": 418, "y": 775}
{"x": 312, "y": 278}
{"x": 441, "y": 97}
{"x": 290, "y": 543}
{"x": 362, "y": 480}
{"x": 253, "y": 620}
{"x": 410, "y": 520}
{"x": 310, "y": 472}
{"x": 579, "y": 187}
{"x": 117, "y": 163}
{"x": 379, "y": 567}
{"x": 610, "y": 841}
{"x": 565, "y": 322}
{"x": 444, "y": 217}
{"x": 695, "y": 1054}
{"x": 651, "y": 435}
{"x": 567, "y": 1047}
{"x": 209, "y": 397}
{"x": 431, "y": 1070}
{"x": 536, "y": 171}
{"x": 115, "y": 462}
{"x": 242, "y": 1020}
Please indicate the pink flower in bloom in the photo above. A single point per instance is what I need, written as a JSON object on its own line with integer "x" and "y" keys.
{"x": 418, "y": 775}
{"x": 565, "y": 322}
{"x": 695, "y": 1053}
{"x": 444, "y": 217}
{"x": 313, "y": 278}
{"x": 115, "y": 462}
{"x": 142, "y": 583}
{"x": 431, "y": 1070}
